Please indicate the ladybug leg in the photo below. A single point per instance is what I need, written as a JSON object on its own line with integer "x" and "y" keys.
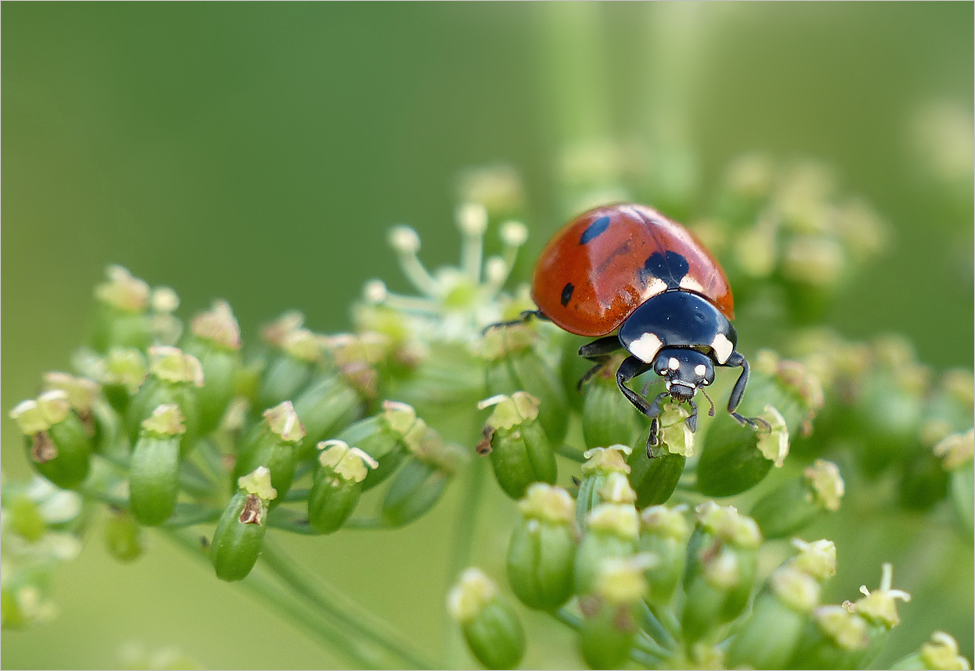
{"x": 523, "y": 318}
{"x": 691, "y": 421}
{"x": 655, "y": 422}
{"x": 736, "y": 359}
{"x": 600, "y": 351}
{"x": 629, "y": 369}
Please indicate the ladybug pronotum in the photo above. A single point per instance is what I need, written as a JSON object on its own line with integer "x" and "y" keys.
{"x": 629, "y": 269}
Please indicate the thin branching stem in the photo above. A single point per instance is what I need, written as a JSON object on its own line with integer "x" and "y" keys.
{"x": 334, "y": 605}
{"x": 463, "y": 545}
{"x": 290, "y": 607}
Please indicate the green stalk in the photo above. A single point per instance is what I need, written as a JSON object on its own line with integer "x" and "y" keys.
{"x": 646, "y": 651}
{"x": 463, "y": 546}
{"x": 570, "y": 453}
{"x": 335, "y": 605}
{"x": 655, "y": 628}
{"x": 291, "y": 608}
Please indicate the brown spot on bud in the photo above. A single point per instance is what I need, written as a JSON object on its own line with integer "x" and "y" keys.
{"x": 484, "y": 447}
{"x": 362, "y": 377}
{"x": 623, "y": 619}
{"x": 589, "y": 605}
{"x": 253, "y": 510}
{"x": 43, "y": 450}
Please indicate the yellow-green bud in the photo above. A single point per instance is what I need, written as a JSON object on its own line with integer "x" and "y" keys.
{"x": 520, "y": 451}
{"x": 611, "y": 532}
{"x": 491, "y": 627}
{"x": 337, "y": 485}
{"x": 541, "y": 555}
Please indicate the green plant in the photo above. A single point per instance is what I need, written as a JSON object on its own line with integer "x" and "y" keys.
{"x": 311, "y": 434}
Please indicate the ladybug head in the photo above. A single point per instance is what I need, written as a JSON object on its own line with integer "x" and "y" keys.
{"x": 685, "y": 370}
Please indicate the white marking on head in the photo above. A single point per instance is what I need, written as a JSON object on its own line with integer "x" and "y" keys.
{"x": 645, "y": 347}
{"x": 656, "y": 286}
{"x": 673, "y": 364}
{"x": 667, "y": 383}
{"x": 700, "y": 369}
{"x": 689, "y": 283}
{"x": 722, "y": 347}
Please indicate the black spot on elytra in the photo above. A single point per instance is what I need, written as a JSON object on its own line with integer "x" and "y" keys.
{"x": 594, "y": 230}
{"x": 567, "y": 294}
{"x": 670, "y": 268}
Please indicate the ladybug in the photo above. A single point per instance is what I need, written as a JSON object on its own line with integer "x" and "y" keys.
{"x": 628, "y": 269}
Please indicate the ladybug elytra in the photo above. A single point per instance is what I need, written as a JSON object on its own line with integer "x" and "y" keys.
{"x": 627, "y": 268}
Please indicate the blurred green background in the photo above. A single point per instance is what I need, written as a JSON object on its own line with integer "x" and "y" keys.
{"x": 259, "y": 153}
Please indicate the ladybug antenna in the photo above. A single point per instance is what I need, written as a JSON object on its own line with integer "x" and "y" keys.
{"x": 646, "y": 387}
{"x": 711, "y": 411}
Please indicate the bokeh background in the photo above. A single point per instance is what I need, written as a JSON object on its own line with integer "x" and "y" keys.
{"x": 259, "y": 153}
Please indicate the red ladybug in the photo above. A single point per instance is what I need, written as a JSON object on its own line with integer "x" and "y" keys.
{"x": 629, "y": 269}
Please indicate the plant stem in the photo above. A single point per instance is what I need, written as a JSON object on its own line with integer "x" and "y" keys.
{"x": 338, "y": 607}
{"x": 188, "y": 515}
{"x": 463, "y": 545}
{"x": 646, "y": 649}
{"x": 260, "y": 586}
{"x": 570, "y": 453}
{"x": 666, "y": 617}
{"x": 654, "y": 628}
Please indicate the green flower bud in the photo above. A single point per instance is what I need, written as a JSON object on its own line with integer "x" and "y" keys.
{"x": 796, "y": 503}
{"x": 879, "y": 609}
{"x": 836, "y": 639}
{"x": 609, "y": 626}
{"x": 940, "y": 653}
{"x": 602, "y": 462}
{"x": 121, "y": 373}
{"x": 572, "y": 367}
{"x": 722, "y": 562}
{"x": 611, "y": 532}
{"x": 490, "y": 625}
{"x": 291, "y": 370}
{"x": 154, "y": 470}
{"x": 239, "y": 535}
{"x": 956, "y": 453}
{"x": 215, "y": 343}
{"x": 735, "y": 458}
{"x": 664, "y": 533}
{"x": 607, "y": 417}
{"x": 422, "y": 480}
{"x": 82, "y": 394}
{"x": 768, "y": 638}
{"x": 174, "y": 377}
{"x": 58, "y": 445}
{"x": 520, "y": 451}
{"x": 513, "y": 365}
{"x": 541, "y": 556}
{"x": 26, "y": 519}
{"x": 439, "y": 379}
{"x": 386, "y": 438}
{"x": 326, "y": 407}
{"x": 275, "y": 446}
{"x": 655, "y": 478}
{"x": 357, "y": 357}
{"x": 124, "y": 538}
{"x": 817, "y": 559}
{"x": 889, "y": 407}
{"x": 337, "y": 484}
{"x": 121, "y": 320}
